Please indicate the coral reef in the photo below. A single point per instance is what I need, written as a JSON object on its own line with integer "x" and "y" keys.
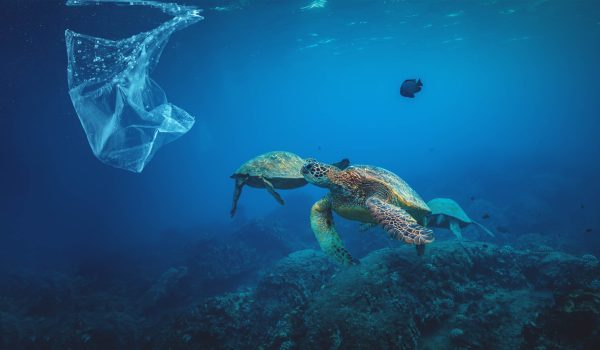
{"x": 250, "y": 289}
{"x": 467, "y": 296}
{"x": 572, "y": 322}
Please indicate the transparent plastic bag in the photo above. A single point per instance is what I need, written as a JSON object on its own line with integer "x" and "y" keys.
{"x": 124, "y": 113}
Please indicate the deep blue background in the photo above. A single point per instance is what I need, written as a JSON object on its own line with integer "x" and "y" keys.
{"x": 509, "y": 115}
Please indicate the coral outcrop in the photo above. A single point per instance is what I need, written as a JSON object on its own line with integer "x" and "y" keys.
{"x": 465, "y": 296}
{"x": 460, "y": 295}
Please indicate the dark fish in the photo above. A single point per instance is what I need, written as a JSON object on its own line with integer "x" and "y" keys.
{"x": 485, "y": 216}
{"x": 410, "y": 87}
{"x": 588, "y": 230}
{"x": 582, "y": 206}
{"x": 472, "y": 198}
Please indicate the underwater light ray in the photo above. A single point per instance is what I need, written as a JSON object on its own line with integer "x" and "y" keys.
{"x": 124, "y": 113}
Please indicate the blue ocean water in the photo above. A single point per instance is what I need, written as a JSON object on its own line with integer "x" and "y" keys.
{"x": 507, "y": 124}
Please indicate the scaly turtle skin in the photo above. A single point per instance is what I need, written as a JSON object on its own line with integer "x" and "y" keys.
{"x": 273, "y": 170}
{"x": 446, "y": 213}
{"x": 367, "y": 194}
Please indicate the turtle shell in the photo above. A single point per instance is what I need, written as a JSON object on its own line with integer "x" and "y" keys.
{"x": 448, "y": 207}
{"x": 273, "y": 165}
{"x": 379, "y": 180}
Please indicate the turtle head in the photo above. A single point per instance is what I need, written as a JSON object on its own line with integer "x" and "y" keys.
{"x": 318, "y": 173}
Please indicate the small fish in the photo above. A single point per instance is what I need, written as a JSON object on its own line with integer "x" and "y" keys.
{"x": 410, "y": 87}
{"x": 472, "y": 198}
{"x": 588, "y": 230}
{"x": 485, "y": 216}
{"x": 582, "y": 206}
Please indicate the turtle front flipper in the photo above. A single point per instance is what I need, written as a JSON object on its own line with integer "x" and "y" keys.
{"x": 321, "y": 222}
{"x": 271, "y": 189}
{"x": 237, "y": 191}
{"x": 398, "y": 223}
{"x": 455, "y": 228}
{"x": 342, "y": 164}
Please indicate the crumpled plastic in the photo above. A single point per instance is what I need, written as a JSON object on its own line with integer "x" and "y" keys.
{"x": 124, "y": 113}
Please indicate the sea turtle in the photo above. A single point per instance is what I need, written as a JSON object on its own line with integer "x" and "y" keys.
{"x": 272, "y": 170}
{"x": 367, "y": 194}
{"x": 446, "y": 213}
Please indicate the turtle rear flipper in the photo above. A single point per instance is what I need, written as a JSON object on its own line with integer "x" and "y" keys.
{"x": 484, "y": 229}
{"x": 271, "y": 189}
{"x": 237, "y": 191}
{"x": 398, "y": 223}
{"x": 321, "y": 222}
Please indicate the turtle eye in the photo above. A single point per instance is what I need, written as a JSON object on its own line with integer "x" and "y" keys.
{"x": 309, "y": 166}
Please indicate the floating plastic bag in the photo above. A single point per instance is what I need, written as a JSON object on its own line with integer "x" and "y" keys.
{"x": 124, "y": 113}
